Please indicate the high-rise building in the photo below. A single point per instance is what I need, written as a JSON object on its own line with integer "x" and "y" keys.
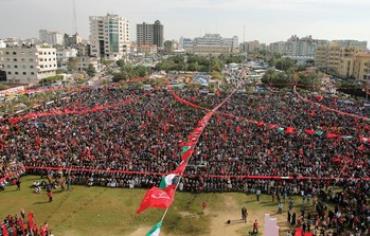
{"x": 109, "y": 36}
{"x": 28, "y": 64}
{"x": 51, "y": 37}
{"x": 149, "y": 34}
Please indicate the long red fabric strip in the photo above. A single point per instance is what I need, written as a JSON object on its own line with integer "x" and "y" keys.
{"x": 332, "y": 109}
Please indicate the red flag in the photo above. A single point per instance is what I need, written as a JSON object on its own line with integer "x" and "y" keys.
{"x": 361, "y": 148}
{"x": 37, "y": 142}
{"x": 30, "y": 221}
{"x": 273, "y": 126}
{"x": 187, "y": 154}
{"x": 260, "y": 123}
{"x": 180, "y": 169}
{"x": 364, "y": 139}
{"x": 289, "y": 130}
{"x": 157, "y": 198}
{"x": 331, "y": 135}
{"x": 4, "y": 230}
{"x": 298, "y": 232}
{"x": 319, "y": 98}
{"x": 309, "y": 131}
{"x": 308, "y": 234}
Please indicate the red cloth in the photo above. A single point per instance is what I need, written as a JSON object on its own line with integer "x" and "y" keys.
{"x": 289, "y": 130}
{"x": 180, "y": 169}
{"x": 187, "y": 154}
{"x": 308, "y": 234}
{"x": 30, "y": 221}
{"x": 273, "y": 126}
{"x": 331, "y": 135}
{"x": 309, "y": 131}
{"x": 319, "y": 98}
{"x": 238, "y": 129}
{"x": 298, "y": 232}
{"x": 157, "y": 198}
{"x": 4, "y": 230}
{"x": 260, "y": 123}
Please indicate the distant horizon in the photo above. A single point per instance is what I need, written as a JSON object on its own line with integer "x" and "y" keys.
{"x": 264, "y": 20}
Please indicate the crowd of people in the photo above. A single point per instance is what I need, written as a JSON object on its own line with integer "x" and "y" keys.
{"x": 253, "y": 136}
{"x": 23, "y": 224}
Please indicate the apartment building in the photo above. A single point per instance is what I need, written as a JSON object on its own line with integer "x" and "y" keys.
{"x": 109, "y": 36}
{"x": 28, "y": 64}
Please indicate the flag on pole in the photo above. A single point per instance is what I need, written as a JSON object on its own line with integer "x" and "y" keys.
{"x": 181, "y": 168}
{"x": 155, "y": 230}
{"x": 167, "y": 181}
{"x": 157, "y": 198}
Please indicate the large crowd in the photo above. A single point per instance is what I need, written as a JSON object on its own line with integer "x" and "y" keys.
{"x": 131, "y": 145}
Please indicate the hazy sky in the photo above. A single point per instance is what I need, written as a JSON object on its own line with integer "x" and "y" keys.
{"x": 265, "y": 20}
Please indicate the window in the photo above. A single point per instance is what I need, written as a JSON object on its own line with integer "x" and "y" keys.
{"x": 31, "y": 67}
{"x": 24, "y": 73}
{"x": 9, "y": 73}
{"x": 14, "y": 53}
{"x": 15, "y": 66}
{"x": 7, "y": 53}
{"x": 16, "y": 73}
{"x": 41, "y": 66}
{"x": 15, "y": 59}
{"x": 32, "y": 73}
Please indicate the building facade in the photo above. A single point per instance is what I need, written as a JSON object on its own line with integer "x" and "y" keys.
{"x": 185, "y": 43}
{"x": 335, "y": 60}
{"x": 72, "y": 40}
{"x": 149, "y": 34}
{"x": 361, "y": 66}
{"x": 361, "y": 45}
{"x": 214, "y": 44}
{"x": 28, "y": 64}
{"x": 109, "y": 36}
{"x": 51, "y": 37}
{"x": 298, "y": 47}
{"x": 63, "y": 57}
{"x": 251, "y": 46}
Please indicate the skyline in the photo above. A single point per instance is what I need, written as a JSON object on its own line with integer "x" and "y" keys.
{"x": 333, "y": 19}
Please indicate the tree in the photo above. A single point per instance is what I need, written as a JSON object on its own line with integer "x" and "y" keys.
{"x": 217, "y": 75}
{"x": 122, "y": 76}
{"x": 120, "y": 63}
{"x": 277, "y": 79}
{"x": 285, "y": 64}
{"x": 72, "y": 64}
{"x": 90, "y": 70}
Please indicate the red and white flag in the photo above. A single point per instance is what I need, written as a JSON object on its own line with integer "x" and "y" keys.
{"x": 157, "y": 198}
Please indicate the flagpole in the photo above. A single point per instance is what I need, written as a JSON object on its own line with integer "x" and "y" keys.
{"x": 212, "y": 112}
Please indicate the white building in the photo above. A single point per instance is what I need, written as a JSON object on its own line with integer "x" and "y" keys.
{"x": 63, "y": 56}
{"x": 51, "y": 37}
{"x": 28, "y": 64}
{"x": 84, "y": 62}
{"x": 2, "y": 44}
{"x": 186, "y": 43}
{"x": 214, "y": 44}
{"x": 109, "y": 36}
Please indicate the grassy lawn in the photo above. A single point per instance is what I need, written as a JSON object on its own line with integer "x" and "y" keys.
{"x": 106, "y": 211}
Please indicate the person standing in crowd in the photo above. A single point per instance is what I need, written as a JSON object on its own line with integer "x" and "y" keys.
{"x": 255, "y": 227}
{"x": 258, "y": 194}
{"x": 18, "y": 183}
{"x": 244, "y": 212}
{"x": 49, "y": 192}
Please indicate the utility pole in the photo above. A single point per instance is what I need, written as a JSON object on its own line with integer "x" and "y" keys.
{"x": 74, "y": 16}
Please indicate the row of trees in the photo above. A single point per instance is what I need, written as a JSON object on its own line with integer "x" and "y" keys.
{"x": 199, "y": 63}
{"x": 128, "y": 71}
{"x": 305, "y": 79}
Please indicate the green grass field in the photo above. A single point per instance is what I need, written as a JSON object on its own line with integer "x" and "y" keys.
{"x": 106, "y": 211}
